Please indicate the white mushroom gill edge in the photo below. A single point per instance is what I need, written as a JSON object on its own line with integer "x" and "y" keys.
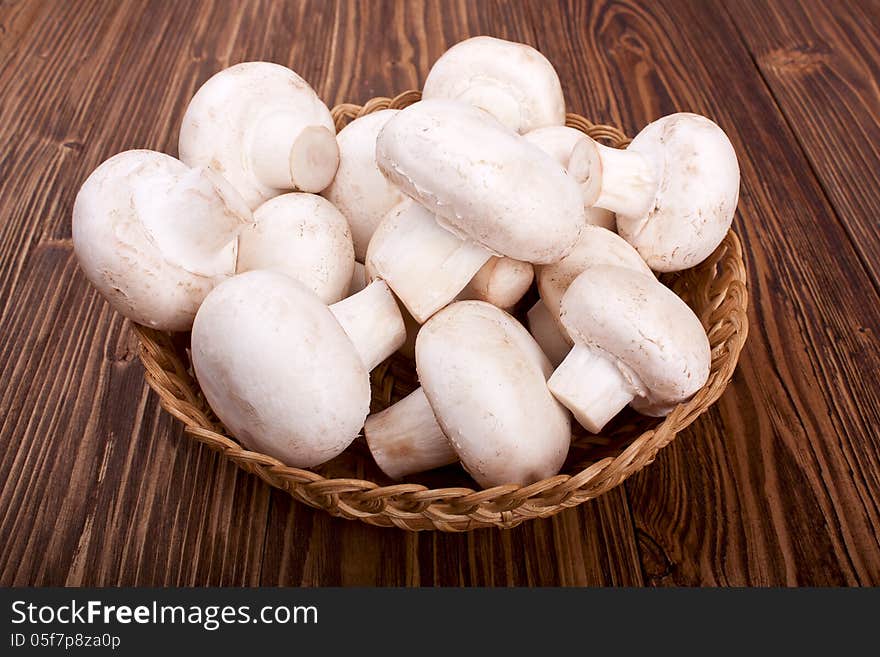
{"x": 373, "y": 323}
{"x": 405, "y": 438}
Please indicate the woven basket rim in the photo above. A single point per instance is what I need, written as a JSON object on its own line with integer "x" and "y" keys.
{"x": 414, "y": 506}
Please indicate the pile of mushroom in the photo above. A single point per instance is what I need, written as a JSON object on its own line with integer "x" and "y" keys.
{"x": 300, "y": 259}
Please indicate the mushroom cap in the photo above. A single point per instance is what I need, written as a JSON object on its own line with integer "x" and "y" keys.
{"x": 278, "y": 369}
{"x": 596, "y": 246}
{"x": 697, "y": 193}
{"x": 512, "y": 81}
{"x": 304, "y": 236}
{"x": 359, "y": 190}
{"x": 154, "y": 236}
{"x": 558, "y": 141}
{"x": 485, "y": 378}
{"x": 657, "y": 340}
{"x": 484, "y": 182}
{"x": 219, "y": 124}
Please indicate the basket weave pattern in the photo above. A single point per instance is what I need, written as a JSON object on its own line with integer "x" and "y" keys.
{"x": 715, "y": 290}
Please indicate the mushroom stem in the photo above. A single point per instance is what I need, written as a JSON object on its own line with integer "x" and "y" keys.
{"x": 405, "y": 438}
{"x": 372, "y": 321}
{"x": 287, "y": 153}
{"x": 591, "y": 386}
{"x": 615, "y": 179}
{"x": 425, "y": 264}
{"x": 546, "y": 332}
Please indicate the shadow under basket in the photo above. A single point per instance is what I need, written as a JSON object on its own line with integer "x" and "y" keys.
{"x": 352, "y": 486}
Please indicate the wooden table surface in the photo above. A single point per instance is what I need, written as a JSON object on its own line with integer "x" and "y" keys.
{"x": 778, "y": 484}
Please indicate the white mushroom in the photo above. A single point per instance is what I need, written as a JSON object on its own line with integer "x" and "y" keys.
{"x": 633, "y": 338}
{"x": 485, "y": 191}
{"x": 154, "y": 236}
{"x": 303, "y": 236}
{"x": 596, "y": 246}
{"x": 559, "y": 142}
{"x": 359, "y": 190}
{"x": 484, "y": 378}
{"x": 501, "y": 282}
{"x": 263, "y": 128}
{"x": 288, "y": 376}
{"x": 512, "y": 81}
{"x": 674, "y": 189}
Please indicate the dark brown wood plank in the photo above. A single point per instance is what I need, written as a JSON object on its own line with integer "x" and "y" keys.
{"x": 822, "y": 63}
{"x": 99, "y": 486}
{"x": 778, "y": 483}
{"x": 591, "y": 545}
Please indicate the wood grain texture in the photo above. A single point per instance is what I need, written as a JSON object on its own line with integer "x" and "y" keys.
{"x": 777, "y": 485}
{"x": 821, "y": 61}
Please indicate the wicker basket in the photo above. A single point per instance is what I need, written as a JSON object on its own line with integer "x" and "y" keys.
{"x": 352, "y": 486}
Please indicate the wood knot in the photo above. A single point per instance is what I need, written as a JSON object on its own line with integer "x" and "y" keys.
{"x": 799, "y": 59}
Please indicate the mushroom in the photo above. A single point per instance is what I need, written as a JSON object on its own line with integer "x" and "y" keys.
{"x": 484, "y": 380}
{"x": 512, "y": 81}
{"x": 263, "y": 128}
{"x": 674, "y": 189}
{"x": 634, "y": 339}
{"x": 359, "y": 190}
{"x": 154, "y": 236}
{"x": 303, "y": 236}
{"x": 482, "y": 191}
{"x": 501, "y": 282}
{"x": 559, "y": 142}
{"x": 286, "y": 374}
{"x": 596, "y": 246}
